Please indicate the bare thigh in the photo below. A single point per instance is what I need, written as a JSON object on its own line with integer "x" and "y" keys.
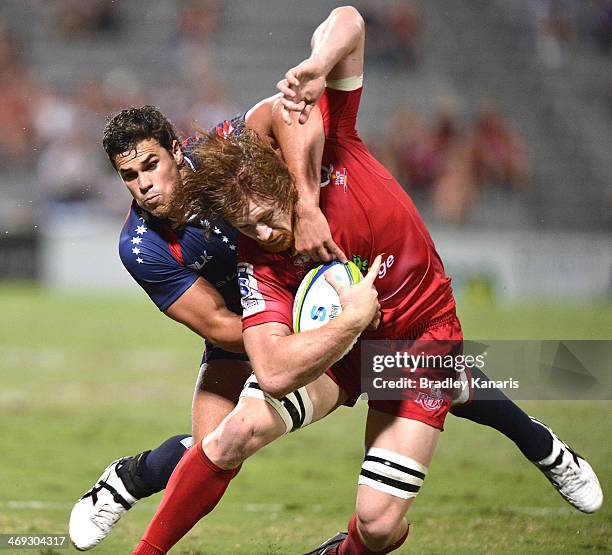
{"x": 216, "y": 394}
{"x": 254, "y": 424}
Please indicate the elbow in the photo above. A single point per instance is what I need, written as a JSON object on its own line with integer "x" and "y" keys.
{"x": 231, "y": 344}
{"x": 350, "y": 13}
{"x": 274, "y": 385}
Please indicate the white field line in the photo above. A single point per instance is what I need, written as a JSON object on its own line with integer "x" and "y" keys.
{"x": 278, "y": 507}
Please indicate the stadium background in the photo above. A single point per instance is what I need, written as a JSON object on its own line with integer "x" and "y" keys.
{"x": 497, "y": 117}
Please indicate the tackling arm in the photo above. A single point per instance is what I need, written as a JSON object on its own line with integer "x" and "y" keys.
{"x": 202, "y": 309}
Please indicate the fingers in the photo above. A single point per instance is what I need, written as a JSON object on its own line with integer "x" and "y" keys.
{"x": 323, "y": 254}
{"x": 373, "y": 271}
{"x": 326, "y": 253}
{"x": 334, "y": 281}
{"x": 376, "y": 320}
{"x": 284, "y": 87}
{"x": 292, "y": 78}
{"x": 305, "y": 113}
{"x": 335, "y": 252}
{"x": 290, "y": 106}
{"x": 293, "y": 106}
{"x": 286, "y": 116}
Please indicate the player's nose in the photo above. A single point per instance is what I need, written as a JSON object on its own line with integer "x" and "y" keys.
{"x": 263, "y": 232}
{"x": 144, "y": 182}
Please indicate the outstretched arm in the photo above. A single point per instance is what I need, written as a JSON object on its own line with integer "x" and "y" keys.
{"x": 337, "y": 53}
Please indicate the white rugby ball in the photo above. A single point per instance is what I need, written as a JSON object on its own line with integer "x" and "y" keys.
{"x": 316, "y": 301}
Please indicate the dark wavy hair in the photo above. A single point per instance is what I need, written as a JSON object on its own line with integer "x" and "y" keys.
{"x": 130, "y": 126}
{"x": 230, "y": 172}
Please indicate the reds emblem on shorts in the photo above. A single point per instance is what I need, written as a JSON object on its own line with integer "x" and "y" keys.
{"x": 431, "y": 402}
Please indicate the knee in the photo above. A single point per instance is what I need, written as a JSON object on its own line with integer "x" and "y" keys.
{"x": 231, "y": 443}
{"x": 240, "y": 435}
{"x": 379, "y": 529}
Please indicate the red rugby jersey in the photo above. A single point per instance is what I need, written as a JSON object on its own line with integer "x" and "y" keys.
{"x": 369, "y": 213}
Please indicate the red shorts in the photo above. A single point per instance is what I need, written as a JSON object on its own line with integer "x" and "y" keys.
{"x": 443, "y": 336}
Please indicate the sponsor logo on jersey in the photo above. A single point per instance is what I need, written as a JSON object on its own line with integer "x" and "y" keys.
{"x": 430, "y": 401}
{"x": 363, "y": 264}
{"x": 250, "y": 296}
{"x": 200, "y": 262}
{"x": 340, "y": 178}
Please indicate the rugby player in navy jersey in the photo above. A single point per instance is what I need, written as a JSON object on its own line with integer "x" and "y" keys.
{"x": 184, "y": 270}
{"x": 190, "y": 274}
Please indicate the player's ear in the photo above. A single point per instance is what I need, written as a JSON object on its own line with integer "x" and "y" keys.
{"x": 177, "y": 153}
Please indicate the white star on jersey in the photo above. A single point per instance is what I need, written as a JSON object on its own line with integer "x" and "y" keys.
{"x": 136, "y": 240}
{"x": 216, "y": 230}
{"x": 136, "y": 250}
{"x": 232, "y": 247}
{"x": 225, "y": 239}
{"x": 139, "y": 260}
{"x": 141, "y": 229}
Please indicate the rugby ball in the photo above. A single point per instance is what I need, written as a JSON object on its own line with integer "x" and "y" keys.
{"x": 316, "y": 301}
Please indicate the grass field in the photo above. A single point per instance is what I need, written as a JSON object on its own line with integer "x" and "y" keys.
{"x": 86, "y": 379}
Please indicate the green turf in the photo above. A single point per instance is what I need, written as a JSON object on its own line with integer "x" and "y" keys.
{"x": 88, "y": 378}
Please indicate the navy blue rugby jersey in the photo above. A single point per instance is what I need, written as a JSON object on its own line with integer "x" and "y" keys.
{"x": 165, "y": 261}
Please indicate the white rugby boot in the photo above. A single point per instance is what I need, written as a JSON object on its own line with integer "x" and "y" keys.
{"x": 571, "y": 475}
{"x": 96, "y": 513}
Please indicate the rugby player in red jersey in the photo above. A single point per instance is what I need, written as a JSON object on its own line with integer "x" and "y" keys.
{"x": 240, "y": 178}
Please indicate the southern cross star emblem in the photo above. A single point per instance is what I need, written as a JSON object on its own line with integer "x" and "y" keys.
{"x": 141, "y": 229}
{"x": 136, "y": 240}
{"x": 136, "y": 250}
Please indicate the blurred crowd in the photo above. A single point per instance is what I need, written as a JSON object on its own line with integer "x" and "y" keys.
{"x": 561, "y": 24}
{"x": 395, "y": 32}
{"x": 56, "y": 130}
{"x": 442, "y": 158}
{"x": 449, "y": 161}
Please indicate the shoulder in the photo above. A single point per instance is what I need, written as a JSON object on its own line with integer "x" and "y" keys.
{"x": 144, "y": 243}
{"x": 260, "y": 117}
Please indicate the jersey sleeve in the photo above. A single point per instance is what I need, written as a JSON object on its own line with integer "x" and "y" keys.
{"x": 156, "y": 269}
{"x": 339, "y": 109}
{"x": 264, "y": 293}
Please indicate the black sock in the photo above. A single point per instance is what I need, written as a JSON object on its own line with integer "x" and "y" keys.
{"x": 500, "y": 412}
{"x": 148, "y": 472}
